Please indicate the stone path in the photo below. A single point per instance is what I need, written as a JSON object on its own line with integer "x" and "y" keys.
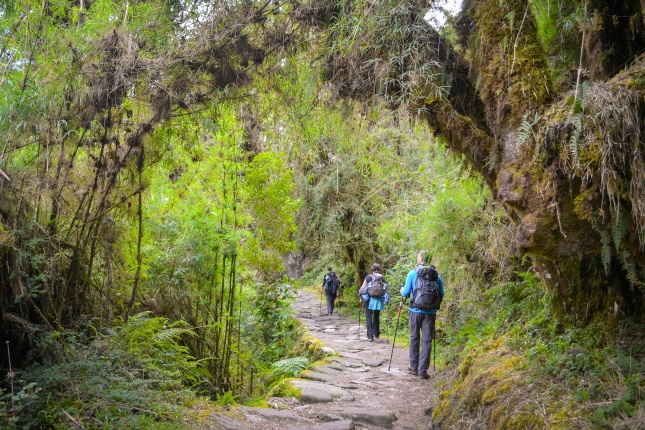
{"x": 355, "y": 390}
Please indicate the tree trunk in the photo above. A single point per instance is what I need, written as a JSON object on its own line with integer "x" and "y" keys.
{"x": 558, "y": 180}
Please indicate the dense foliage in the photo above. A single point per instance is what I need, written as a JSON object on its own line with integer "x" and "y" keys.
{"x": 127, "y": 185}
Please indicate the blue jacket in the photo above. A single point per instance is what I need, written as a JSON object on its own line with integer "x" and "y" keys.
{"x": 375, "y": 303}
{"x": 408, "y": 289}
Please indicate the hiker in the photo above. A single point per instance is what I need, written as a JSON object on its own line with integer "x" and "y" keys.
{"x": 373, "y": 293}
{"x": 330, "y": 285}
{"x": 425, "y": 287}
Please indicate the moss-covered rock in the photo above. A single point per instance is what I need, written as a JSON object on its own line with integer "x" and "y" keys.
{"x": 499, "y": 391}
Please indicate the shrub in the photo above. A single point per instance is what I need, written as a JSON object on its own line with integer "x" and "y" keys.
{"x": 132, "y": 377}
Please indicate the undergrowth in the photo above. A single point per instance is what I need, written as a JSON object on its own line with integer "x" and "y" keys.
{"x": 582, "y": 374}
{"x": 135, "y": 376}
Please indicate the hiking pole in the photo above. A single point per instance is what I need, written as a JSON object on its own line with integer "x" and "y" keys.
{"x": 396, "y": 328}
{"x": 434, "y": 342}
{"x": 321, "y": 302}
{"x": 337, "y": 301}
{"x": 387, "y": 331}
{"x": 360, "y": 311}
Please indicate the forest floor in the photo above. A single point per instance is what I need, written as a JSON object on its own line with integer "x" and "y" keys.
{"x": 355, "y": 389}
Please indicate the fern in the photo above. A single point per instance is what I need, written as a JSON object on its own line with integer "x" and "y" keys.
{"x": 551, "y": 134}
{"x": 290, "y": 366}
{"x": 582, "y": 95}
{"x": 606, "y": 250}
{"x": 121, "y": 371}
{"x": 492, "y": 160}
{"x": 618, "y": 227}
{"x": 511, "y": 18}
{"x": 526, "y": 129}
{"x": 226, "y": 399}
{"x": 171, "y": 333}
{"x": 629, "y": 267}
{"x": 576, "y": 121}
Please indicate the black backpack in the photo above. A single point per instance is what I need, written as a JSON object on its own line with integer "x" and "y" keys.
{"x": 331, "y": 283}
{"x": 426, "y": 295}
{"x": 376, "y": 287}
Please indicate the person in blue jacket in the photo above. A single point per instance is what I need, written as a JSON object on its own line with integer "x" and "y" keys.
{"x": 420, "y": 321}
{"x": 373, "y": 305}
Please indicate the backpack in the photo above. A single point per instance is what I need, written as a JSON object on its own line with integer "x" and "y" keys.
{"x": 376, "y": 287}
{"x": 331, "y": 283}
{"x": 426, "y": 295}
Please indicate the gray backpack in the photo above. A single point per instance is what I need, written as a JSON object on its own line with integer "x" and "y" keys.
{"x": 376, "y": 287}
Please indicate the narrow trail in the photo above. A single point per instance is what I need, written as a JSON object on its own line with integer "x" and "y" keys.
{"x": 354, "y": 390}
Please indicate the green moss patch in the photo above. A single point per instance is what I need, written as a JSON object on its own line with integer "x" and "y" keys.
{"x": 496, "y": 386}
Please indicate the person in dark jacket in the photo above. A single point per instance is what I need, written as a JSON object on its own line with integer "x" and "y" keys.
{"x": 330, "y": 285}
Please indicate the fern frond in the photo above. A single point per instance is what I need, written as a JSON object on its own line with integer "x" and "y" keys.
{"x": 524, "y": 132}
{"x": 573, "y": 144}
{"x": 551, "y": 133}
{"x": 226, "y": 399}
{"x": 629, "y": 266}
{"x": 618, "y": 227}
{"x": 605, "y": 250}
{"x": 290, "y": 366}
{"x": 492, "y": 161}
{"x": 141, "y": 315}
{"x": 171, "y": 333}
{"x": 576, "y": 122}
{"x": 582, "y": 94}
{"x": 526, "y": 129}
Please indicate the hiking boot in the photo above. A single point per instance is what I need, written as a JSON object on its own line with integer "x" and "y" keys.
{"x": 412, "y": 371}
{"x": 371, "y": 339}
{"x": 424, "y": 375}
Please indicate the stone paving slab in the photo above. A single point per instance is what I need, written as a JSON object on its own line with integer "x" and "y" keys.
{"x": 380, "y": 418}
{"x": 317, "y": 376}
{"x": 332, "y": 425}
{"x": 330, "y": 369}
{"x": 269, "y": 413}
{"x": 316, "y": 392}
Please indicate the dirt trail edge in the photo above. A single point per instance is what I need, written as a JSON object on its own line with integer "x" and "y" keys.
{"x": 354, "y": 390}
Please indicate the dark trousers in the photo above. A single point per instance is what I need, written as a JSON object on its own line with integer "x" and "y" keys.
{"x": 423, "y": 323}
{"x": 372, "y": 323}
{"x": 330, "y": 302}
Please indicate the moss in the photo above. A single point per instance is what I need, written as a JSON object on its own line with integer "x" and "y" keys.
{"x": 493, "y": 394}
{"x": 526, "y": 421}
{"x": 585, "y": 203}
{"x": 561, "y": 419}
{"x": 498, "y": 416}
{"x": 314, "y": 348}
{"x": 445, "y": 394}
{"x": 258, "y": 402}
{"x": 515, "y": 77}
{"x": 465, "y": 366}
{"x": 6, "y": 238}
{"x": 202, "y": 410}
{"x": 495, "y": 391}
{"x": 441, "y": 410}
{"x": 284, "y": 388}
{"x": 589, "y": 152}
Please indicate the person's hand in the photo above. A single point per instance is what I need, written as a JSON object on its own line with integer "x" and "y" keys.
{"x": 402, "y": 288}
